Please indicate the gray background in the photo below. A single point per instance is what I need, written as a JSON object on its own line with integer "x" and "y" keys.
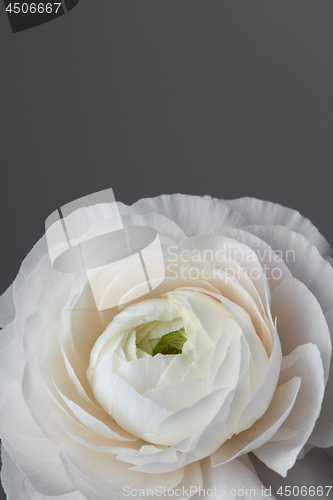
{"x": 228, "y": 98}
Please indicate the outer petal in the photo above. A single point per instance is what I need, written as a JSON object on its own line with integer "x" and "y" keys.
{"x": 11, "y": 363}
{"x": 230, "y": 481}
{"x": 236, "y": 259}
{"x": 163, "y": 225}
{"x": 264, "y": 213}
{"x": 265, "y": 390}
{"x": 18, "y": 486}
{"x": 262, "y": 430}
{"x": 101, "y": 476}
{"x": 29, "y": 265}
{"x": 275, "y": 268}
{"x": 305, "y": 362}
{"x": 36, "y": 455}
{"x": 27, "y": 295}
{"x": 148, "y": 414}
{"x": 317, "y": 274}
{"x": 322, "y": 435}
{"x": 315, "y": 469}
{"x": 177, "y": 207}
{"x": 300, "y": 320}
{"x": 303, "y": 260}
{"x": 47, "y": 309}
{"x": 7, "y": 308}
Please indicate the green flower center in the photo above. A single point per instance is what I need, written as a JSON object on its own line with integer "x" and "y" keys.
{"x": 171, "y": 343}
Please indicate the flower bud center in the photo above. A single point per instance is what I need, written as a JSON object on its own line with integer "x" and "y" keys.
{"x": 171, "y": 343}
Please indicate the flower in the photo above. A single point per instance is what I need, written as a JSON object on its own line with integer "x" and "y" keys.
{"x": 170, "y": 391}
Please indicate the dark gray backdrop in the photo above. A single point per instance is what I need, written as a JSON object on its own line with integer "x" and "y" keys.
{"x": 228, "y": 98}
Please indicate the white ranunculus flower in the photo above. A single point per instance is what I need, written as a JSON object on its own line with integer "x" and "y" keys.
{"x": 172, "y": 390}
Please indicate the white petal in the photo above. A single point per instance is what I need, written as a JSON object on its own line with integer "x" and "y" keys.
{"x": 200, "y": 367}
{"x": 262, "y": 430}
{"x": 264, "y": 213}
{"x": 265, "y": 390}
{"x": 314, "y": 470}
{"x": 198, "y": 337}
{"x": 162, "y": 224}
{"x": 178, "y": 368}
{"x": 207, "y": 310}
{"x": 133, "y": 412}
{"x": 30, "y": 263}
{"x": 236, "y": 259}
{"x": 49, "y": 358}
{"x": 177, "y": 207}
{"x": 75, "y": 369}
{"x": 239, "y": 302}
{"x": 236, "y": 301}
{"x": 303, "y": 260}
{"x": 11, "y": 366}
{"x": 178, "y": 396}
{"x": 26, "y": 297}
{"x": 275, "y": 268}
{"x": 316, "y": 273}
{"x": 169, "y": 284}
{"x": 7, "y": 335}
{"x": 7, "y": 308}
{"x": 39, "y": 400}
{"x": 101, "y": 476}
{"x": 242, "y": 392}
{"x": 192, "y": 479}
{"x": 35, "y": 454}
{"x": 44, "y": 311}
{"x": 73, "y": 429}
{"x": 190, "y": 421}
{"x": 18, "y": 486}
{"x": 224, "y": 423}
{"x": 230, "y": 481}
{"x": 159, "y": 458}
{"x": 145, "y": 373}
{"x": 85, "y": 325}
{"x": 226, "y": 351}
{"x": 300, "y": 320}
{"x": 322, "y": 435}
{"x": 88, "y": 416}
{"x": 193, "y": 448}
{"x": 281, "y": 455}
{"x": 132, "y": 275}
